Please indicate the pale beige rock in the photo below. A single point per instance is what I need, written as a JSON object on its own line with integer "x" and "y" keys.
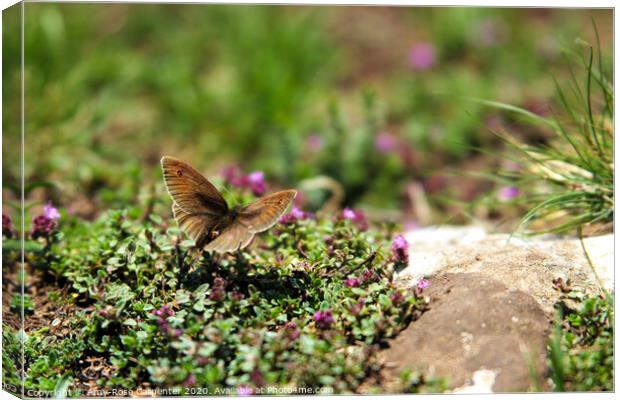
{"x": 527, "y": 264}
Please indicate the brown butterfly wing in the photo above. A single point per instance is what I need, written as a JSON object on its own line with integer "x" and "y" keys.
{"x": 199, "y": 227}
{"x": 265, "y": 212}
{"x": 233, "y": 238}
{"x": 190, "y": 190}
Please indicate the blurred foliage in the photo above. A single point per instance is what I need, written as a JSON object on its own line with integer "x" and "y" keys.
{"x": 111, "y": 87}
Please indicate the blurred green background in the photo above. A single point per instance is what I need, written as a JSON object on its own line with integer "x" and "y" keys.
{"x": 379, "y": 99}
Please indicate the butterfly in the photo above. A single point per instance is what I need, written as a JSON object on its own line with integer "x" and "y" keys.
{"x": 201, "y": 211}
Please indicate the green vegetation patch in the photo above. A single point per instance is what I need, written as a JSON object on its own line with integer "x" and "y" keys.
{"x": 581, "y": 351}
{"x": 306, "y": 306}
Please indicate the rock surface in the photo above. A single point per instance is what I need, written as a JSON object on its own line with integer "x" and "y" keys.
{"x": 479, "y": 334}
{"x": 492, "y": 304}
{"x": 526, "y": 264}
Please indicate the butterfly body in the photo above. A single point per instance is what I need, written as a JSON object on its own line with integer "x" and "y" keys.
{"x": 201, "y": 211}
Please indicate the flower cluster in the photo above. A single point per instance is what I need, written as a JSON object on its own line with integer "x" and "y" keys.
{"x": 400, "y": 250}
{"x": 257, "y": 378}
{"x": 420, "y": 286}
{"x": 43, "y": 225}
{"x": 218, "y": 292}
{"x": 296, "y": 214}
{"x": 352, "y": 282}
{"x": 291, "y": 331}
{"x": 324, "y": 319}
{"x": 357, "y": 308}
{"x": 255, "y": 181}
{"x": 357, "y": 217}
{"x": 7, "y": 227}
{"x": 163, "y": 313}
{"x": 398, "y": 297}
{"x": 190, "y": 381}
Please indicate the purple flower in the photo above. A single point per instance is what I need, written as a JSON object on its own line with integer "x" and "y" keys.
{"x": 244, "y": 391}
{"x": 357, "y": 308}
{"x": 423, "y": 284}
{"x": 190, "y": 381}
{"x": 50, "y": 212}
{"x": 217, "y": 294}
{"x": 42, "y": 226}
{"x": 219, "y": 282}
{"x": 237, "y": 296}
{"x": 400, "y": 250}
{"x": 357, "y": 217}
{"x": 295, "y": 215}
{"x": 397, "y": 298}
{"x": 167, "y": 310}
{"x": 352, "y": 282}
{"x": 348, "y": 213}
{"x": 422, "y": 56}
{"x": 7, "y": 228}
{"x": 386, "y": 143}
{"x": 315, "y": 142}
{"x": 257, "y": 378}
{"x": 292, "y": 331}
{"x": 508, "y": 193}
{"x": 163, "y": 324}
{"x": 163, "y": 313}
{"x": 324, "y": 319}
{"x": 233, "y": 176}
{"x": 256, "y": 181}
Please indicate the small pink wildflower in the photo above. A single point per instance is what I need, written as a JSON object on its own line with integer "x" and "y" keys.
{"x": 400, "y": 249}
{"x": 315, "y": 142}
{"x": 508, "y": 193}
{"x": 385, "y": 143}
{"x": 422, "y": 56}
{"x": 50, "y": 212}
{"x": 324, "y": 319}
{"x": 256, "y": 181}
{"x": 423, "y": 284}
{"x": 352, "y": 282}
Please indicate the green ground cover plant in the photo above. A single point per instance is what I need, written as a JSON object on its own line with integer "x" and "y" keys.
{"x": 307, "y": 306}
{"x": 581, "y": 350}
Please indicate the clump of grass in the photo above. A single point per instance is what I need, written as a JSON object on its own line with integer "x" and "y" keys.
{"x": 581, "y": 350}
{"x": 567, "y": 183}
